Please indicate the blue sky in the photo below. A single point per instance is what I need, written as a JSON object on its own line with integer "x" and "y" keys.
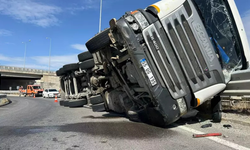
{"x": 69, "y": 23}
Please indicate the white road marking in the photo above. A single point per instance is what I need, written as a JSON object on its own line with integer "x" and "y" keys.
{"x": 215, "y": 139}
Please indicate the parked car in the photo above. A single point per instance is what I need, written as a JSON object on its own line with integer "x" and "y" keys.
{"x": 47, "y": 93}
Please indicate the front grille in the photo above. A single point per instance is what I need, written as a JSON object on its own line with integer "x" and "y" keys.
{"x": 165, "y": 60}
{"x": 40, "y": 92}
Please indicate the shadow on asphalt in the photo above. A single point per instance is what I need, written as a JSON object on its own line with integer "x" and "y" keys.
{"x": 106, "y": 116}
{"x": 190, "y": 118}
{"x": 122, "y": 130}
{"x": 126, "y": 130}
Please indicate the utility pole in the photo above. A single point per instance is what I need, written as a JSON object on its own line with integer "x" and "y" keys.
{"x": 100, "y": 20}
{"x": 49, "y": 51}
{"x": 25, "y": 48}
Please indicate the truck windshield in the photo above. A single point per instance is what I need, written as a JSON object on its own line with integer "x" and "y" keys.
{"x": 220, "y": 26}
{"x": 36, "y": 87}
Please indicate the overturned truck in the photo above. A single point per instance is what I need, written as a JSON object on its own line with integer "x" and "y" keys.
{"x": 157, "y": 64}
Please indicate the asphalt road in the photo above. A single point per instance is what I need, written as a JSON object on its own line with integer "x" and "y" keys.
{"x": 37, "y": 123}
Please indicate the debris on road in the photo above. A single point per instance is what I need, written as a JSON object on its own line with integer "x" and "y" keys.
{"x": 206, "y": 135}
{"x": 227, "y": 126}
{"x": 206, "y": 125}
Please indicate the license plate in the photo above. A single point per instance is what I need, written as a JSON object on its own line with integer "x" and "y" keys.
{"x": 148, "y": 72}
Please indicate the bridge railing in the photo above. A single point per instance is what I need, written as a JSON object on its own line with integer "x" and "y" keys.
{"x": 28, "y": 70}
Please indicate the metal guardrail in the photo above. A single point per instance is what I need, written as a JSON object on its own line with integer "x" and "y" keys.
{"x": 3, "y": 96}
{"x": 239, "y": 84}
{"x": 25, "y": 70}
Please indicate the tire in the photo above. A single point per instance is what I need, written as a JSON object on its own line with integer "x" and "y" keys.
{"x": 216, "y": 107}
{"x": 217, "y": 117}
{"x": 77, "y": 102}
{"x": 87, "y": 64}
{"x": 66, "y": 103}
{"x": 61, "y": 102}
{"x": 96, "y": 99}
{"x": 84, "y": 56}
{"x": 71, "y": 67}
{"x": 60, "y": 72}
{"x": 98, "y": 107}
{"x": 98, "y": 42}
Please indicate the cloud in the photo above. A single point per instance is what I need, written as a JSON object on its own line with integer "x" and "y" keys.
{"x": 4, "y": 32}
{"x": 29, "y": 11}
{"x": 56, "y": 62}
{"x": 10, "y": 59}
{"x": 80, "y": 47}
{"x": 84, "y": 5}
{"x": 39, "y": 62}
{"x": 246, "y": 22}
{"x": 72, "y": 10}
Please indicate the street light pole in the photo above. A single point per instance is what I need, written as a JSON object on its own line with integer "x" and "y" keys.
{"x": 100, "y": 20}
{"x": 25, "y": 47}
{"x": 49, "y": 51}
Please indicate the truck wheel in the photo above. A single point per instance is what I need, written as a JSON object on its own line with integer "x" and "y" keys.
{"x": 61, "y": 102}
{"x": 71, "y": 67}
{"x": 87, "y": 64}
{"x": 98, "y": 42}
{"x": 66, "y": 103}
{"x": 84, "y": 56}
{"x": 96, "y": 99}
{"x": 77, "y": 102}
{"x": 217, "y": 117}
{"x": 60, "y": 72}
{"x": 98, "y": 107}
{"x": 216, "y": 107}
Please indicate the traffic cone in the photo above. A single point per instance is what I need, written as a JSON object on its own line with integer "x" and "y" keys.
{"x": 34, "y": 95}
{"x": 55, "y": 99}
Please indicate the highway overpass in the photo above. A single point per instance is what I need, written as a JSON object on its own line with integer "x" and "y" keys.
{"x": 13, "y": 77}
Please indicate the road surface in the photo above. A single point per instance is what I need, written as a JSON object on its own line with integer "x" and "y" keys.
{"x": 37, "y": 123}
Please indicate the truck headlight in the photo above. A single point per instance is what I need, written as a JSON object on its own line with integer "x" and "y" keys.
{"x": 141, "y": 19}
{"x": 182, "y": 106}
{"x": 135, "y": 27}
{"x": 130, "y": 19}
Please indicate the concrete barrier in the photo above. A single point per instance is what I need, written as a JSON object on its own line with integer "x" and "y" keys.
{"x": 3, "y": 100}
{"x": 8, "y": 92}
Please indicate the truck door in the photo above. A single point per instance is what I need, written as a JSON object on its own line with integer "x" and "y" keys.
{"x": 28, "y": 90}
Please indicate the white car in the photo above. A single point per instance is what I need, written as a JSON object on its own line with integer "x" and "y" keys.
{"x": 50, "y": 93}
